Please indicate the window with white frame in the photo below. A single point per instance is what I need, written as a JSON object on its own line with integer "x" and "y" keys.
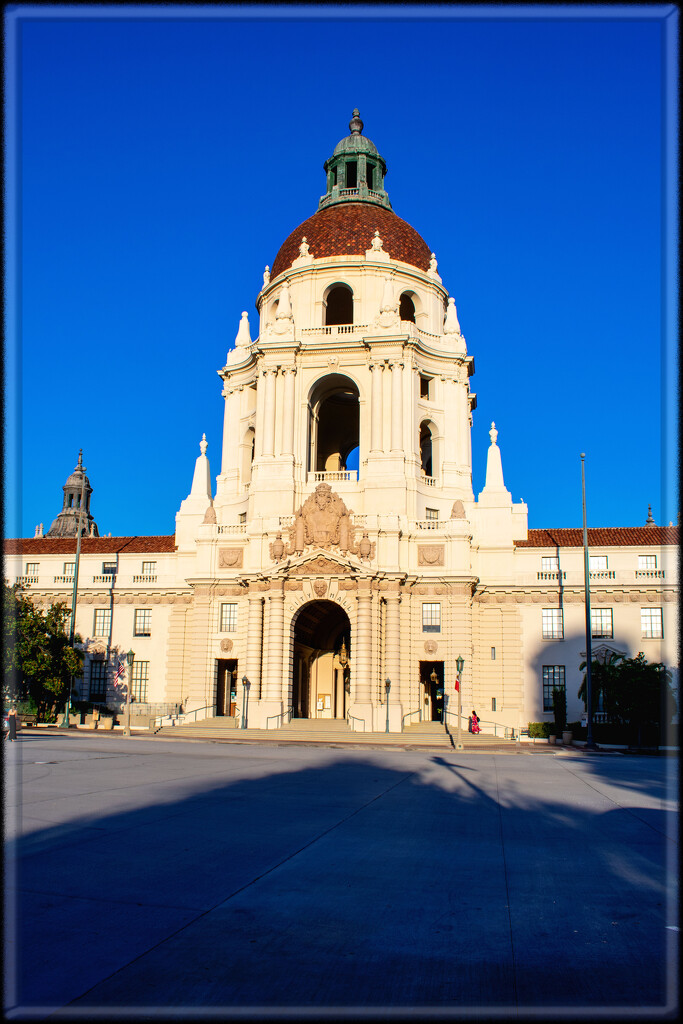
{"x": 69, "y": 568}
{"x": 140, "y": 680}
{"x": 597, "y": 563}
{"x": 431, "y": 618}
{"x": 32, "y": 568}
{"x": 601, "y": 624}
{"x": 553, "y": 679}
{"x": 553, "y": 626}
{"x": 651, "y": 623}
{"x": 149, "y": 568}
{"x": 228, "y": 618}
{"x": 98, "y": 680}
{"x": 550, "y": 563}
{"x": 143, "y": 622}
{"x": 102, "y": 623}
{"x": 647, "y": 561}
{"x": 109, "y": 568}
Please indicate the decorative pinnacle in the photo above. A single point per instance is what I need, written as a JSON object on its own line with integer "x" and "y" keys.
{"x": 80, "y": 459}
{"x": 355, "y": 124}
{"x": 493, "y": 433}
{"x": 203, "y": 444}
{"x": 649, "y": 521}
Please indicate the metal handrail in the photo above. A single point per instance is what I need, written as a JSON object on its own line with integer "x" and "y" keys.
{"x": 408, "y": 714}
{"x": 207, "y": 707}
{"x": 509, "y": 732}
{"x": 287, "y": 711}
{"x": 352, "y": 718}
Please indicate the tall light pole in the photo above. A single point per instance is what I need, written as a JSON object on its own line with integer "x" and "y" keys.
{"x": 460, "y": 661}
{"x": 74, "y": 594}
{"x": 590, "y": 744}
{"x": 130, "y": 658}
{"x": 387, "y": 685}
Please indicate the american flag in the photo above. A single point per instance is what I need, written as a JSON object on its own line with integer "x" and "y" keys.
{"x": 119, "y": 672}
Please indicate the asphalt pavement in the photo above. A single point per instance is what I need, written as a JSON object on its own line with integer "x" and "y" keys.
{"x": 160, "y": 879}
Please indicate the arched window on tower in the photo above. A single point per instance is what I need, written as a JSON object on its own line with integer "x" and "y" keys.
{"x": 426, "y": 453}
{"x": 339, "y": 305}
{"x": 407, "y": 308}
{"x": 334, "y": 425}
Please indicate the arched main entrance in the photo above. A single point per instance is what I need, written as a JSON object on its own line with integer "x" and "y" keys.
{"x": 322, "y": 648}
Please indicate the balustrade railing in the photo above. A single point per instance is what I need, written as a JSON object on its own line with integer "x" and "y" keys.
{"x": 106, "y": 577}
{"x": 604, "y": 574}
{"x": 143, "y": 578}
{"x": 428, "y": 524}
{"x": 234, "y": 528}
{"x": 26, "y": 581}
{"x": 654, "y": 574}
{"x": 63, "y": 579}
{"x": 428, "y": 481}
{"x": 334, "y": 329}
{"x": 337, "y": 476}
{"x": 550, "y": 575}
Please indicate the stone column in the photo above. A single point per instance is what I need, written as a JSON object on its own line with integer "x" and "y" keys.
{"x": 392, "y": 657}
{"x": 362, "y": 675}
{"x": 397, "y": 407}
{"x": 273, "y": 688}
{"x": 269, "y": 412}
{"x": 230, "y": 426}
{"x": 376, "y": 413}
{"x": 288, "y": 412}
{"x": 254, "y": 643}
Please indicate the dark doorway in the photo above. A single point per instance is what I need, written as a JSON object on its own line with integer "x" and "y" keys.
{"x": 431, "y": 690}
{"x": 322, "y": 649}
{"x": 226, "y": 686}
{"x": 407, "y": 308}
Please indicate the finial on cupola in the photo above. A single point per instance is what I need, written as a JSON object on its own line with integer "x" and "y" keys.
{"x": 203, "y": 444}
{"x": 80, "y": 459}
{"x": 493, "y": 433}
{"x": 355, "y": 124}
{"x": 649, "y": 521}
{"x": 243, "y": 339}
{"x": 451, "y": 323}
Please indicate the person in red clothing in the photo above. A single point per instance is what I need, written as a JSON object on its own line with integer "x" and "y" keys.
{"x": 475, "y": 722}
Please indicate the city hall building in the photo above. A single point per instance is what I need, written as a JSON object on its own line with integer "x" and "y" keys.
{"x": 342, "y": 564}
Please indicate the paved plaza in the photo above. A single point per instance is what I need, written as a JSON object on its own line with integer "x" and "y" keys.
{"x": 147, "y": 877}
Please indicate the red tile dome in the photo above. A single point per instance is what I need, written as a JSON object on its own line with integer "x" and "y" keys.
{"x": 347, "y": 229}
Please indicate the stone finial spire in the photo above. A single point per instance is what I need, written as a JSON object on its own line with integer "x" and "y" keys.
{"x": 451, "y": 324}
{"x": 284, "y": 306}
{"x": 203, "y": 444}
{"x": 303, "y": 248}
{"x": 649, "y": 521}
{"x": 243, "y": 339}
{"x": 266, "y": 276}
{"x": 201, "y": 481}
{"x": 495, "y": 485}
{"x": 355, "y": 124}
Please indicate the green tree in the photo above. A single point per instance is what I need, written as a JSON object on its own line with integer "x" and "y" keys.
{"x": 635, "y": 693}
{"x": 39, "y": 659}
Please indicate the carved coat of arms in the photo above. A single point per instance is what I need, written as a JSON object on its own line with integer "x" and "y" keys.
{"x": 323, "y": 521}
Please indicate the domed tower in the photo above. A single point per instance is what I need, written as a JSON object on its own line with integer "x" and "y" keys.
{"x": 66, "y": 523}
{"x": 359, "y": 376}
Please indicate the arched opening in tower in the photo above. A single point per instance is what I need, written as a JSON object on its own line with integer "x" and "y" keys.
{"x": 407, "y": 308}
{"x": 334, "y": 424}
{"x": 426, "y": 449}
{"x": 320, "y": 665}
{"x": 339, "y": 306}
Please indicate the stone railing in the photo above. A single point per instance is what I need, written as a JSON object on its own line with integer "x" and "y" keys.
{"x": 651, "y": 574}
{"x": 63, "y": 579}
{"x": 603, "y": 574}
{"x": 337, "y": 476}
{"x": 334, "y": 330}
{"x": 428, "y": 481}
{"x": 428, "y": 524}
{"x": 107, "y": 577}
{"x": 237, "y": 528}
{"x": 550, "y": 575}
{"x": 26, "y": 581}
{"x": 144, "y": 578}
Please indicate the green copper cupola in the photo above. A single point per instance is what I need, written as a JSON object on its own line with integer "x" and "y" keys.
{"x": 355, "y": 171}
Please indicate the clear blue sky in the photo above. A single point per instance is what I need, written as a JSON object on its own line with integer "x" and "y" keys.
{"x": 161, "y": 162}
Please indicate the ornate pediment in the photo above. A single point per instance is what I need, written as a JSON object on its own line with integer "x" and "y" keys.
{"x": 319, "y": 565}
{"x": 323, "y": 521}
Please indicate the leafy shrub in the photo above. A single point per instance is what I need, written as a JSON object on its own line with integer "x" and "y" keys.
{"x": 540, "y": 730}
{"x": 559, "y": 709}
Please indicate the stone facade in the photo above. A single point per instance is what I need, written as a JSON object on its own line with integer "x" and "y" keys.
{"x": 343, "y": 545}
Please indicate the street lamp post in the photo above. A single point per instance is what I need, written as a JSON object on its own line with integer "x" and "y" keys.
{"x": 590, "y": 743}
{"x": 460, "y": 661}
{"x": 130, "y": 658}
{"x": 387, "y": 684}
{"x": 245, "y": 693}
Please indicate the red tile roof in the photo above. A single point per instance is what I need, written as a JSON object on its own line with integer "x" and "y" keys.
{"x": 602, "y": 537}
{"x": 89, "y": 545}
{"x": 347, "y": 229}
